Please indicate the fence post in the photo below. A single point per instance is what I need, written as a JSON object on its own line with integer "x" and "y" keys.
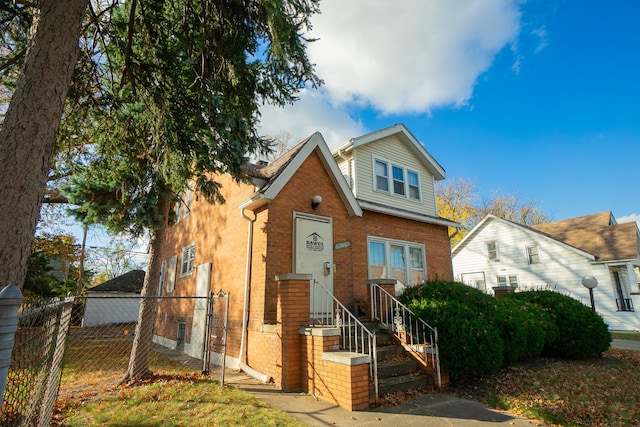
{"x": 10, "y": 300}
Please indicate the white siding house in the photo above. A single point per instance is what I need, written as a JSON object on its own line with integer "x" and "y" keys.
{"x": 114, "y": 301}
{"x": 556, "y": 256}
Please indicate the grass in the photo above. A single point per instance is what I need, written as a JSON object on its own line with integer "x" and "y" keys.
{"x": 173, "y": 400}
{"x": 634, "y": 336}
{"x": 595, "y": 392}
{"x": 90, "y": 393}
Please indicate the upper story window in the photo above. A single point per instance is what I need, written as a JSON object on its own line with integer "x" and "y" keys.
{"x": 533, "y": 254}
{"x": 492, "y": 251}
{"x": 183, "y": 206}
{"x": 188, "y": 256}
{"x": 402, "y": 181}
{"x": 382, "y": 176}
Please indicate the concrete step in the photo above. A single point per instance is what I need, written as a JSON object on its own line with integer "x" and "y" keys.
{"x": 386, "y": 352}
{"x": 404, "y": 383}
{"x": 397, "y": 367}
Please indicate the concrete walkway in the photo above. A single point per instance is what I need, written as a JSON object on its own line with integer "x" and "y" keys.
{"x": 429, "y": 410}
{"x": 439, "y": 409}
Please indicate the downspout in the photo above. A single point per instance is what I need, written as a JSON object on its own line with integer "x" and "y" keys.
{"x": 245, "y": 310}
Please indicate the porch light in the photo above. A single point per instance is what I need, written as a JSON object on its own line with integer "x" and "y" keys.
{"x": 316, "y": 202}
{"x": 590, "y": 282}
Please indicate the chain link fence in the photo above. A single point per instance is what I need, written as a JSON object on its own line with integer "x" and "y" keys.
{"x": 99, "y": 333}
{"x": 34, "y": 373}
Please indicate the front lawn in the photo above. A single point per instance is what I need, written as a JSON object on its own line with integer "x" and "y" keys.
{"x": 594, "y": 392}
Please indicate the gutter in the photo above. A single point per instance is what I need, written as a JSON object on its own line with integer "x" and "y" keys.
{"x": 245, "y": 310}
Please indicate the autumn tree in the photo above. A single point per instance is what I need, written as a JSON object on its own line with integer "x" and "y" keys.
{"x": 459, "y": 200}
{"x": 180, "y": 106}
{"x": 53, "y": 267}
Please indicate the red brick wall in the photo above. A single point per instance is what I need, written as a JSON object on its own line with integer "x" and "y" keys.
{"x": 342, "y": 384}
{"x": 220, "y": 234}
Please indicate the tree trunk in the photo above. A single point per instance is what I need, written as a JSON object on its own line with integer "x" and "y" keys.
{"x": 28, "y": 134}
{"x": 141, "y": 349}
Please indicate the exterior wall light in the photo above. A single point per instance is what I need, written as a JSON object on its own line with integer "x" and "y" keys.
{"x": 315, "y": 202}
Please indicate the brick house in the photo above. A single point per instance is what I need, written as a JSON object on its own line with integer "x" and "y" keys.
{"x": 363, "y": 213}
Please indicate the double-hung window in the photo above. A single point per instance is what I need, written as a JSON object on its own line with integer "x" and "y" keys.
{"x": 382, "y": 176}
{"x": 402, "y": 181}
{"x": 188, "y": 257}
{"x": 492, "y": 251}
{"x": 533, "y": 254}
{"x": 398, "y": 180}
{"x": 392, "y": 259}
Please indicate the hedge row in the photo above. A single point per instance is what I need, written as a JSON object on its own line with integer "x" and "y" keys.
{"x": 479, "y": 334}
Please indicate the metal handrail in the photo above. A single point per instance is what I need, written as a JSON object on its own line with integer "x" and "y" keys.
{"x": 414, "y": 333}
{"x": 355, "y": 337}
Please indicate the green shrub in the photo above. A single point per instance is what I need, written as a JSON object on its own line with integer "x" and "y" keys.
{"x": 522, "y": 327}
{"x": 453, "y": 291}
{"x": 581, "y": 332}
{"x": 469, "y": 345}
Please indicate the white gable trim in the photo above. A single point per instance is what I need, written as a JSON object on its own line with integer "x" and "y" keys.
{"x": 408, "y": 139}
{"x": 315, "y": 142}
{"x": 470, "y": 235}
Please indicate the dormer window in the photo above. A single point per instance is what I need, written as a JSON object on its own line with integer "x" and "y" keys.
{"x": 403, "y": 182}
{"x": 382, "y": 176}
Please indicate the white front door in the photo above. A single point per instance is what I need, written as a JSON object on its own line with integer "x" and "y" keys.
{"x": 314, "y": 255}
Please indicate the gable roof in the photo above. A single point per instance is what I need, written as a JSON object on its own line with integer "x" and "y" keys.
{"x": 407, "y": 138}
{"x": 273, "y": 177}
{"x": 489, "y": 218}
{"x": 598, "y": 234}
{"x": 131, "y": 281}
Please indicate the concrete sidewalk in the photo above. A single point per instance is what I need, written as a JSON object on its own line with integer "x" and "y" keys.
{"x": 426, "y": 410}
{"x": 439, "y": 409}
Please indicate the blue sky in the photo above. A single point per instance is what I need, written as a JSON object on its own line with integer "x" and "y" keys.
{"x": 536, "y": 98}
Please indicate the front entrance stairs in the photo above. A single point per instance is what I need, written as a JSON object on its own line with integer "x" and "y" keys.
{"x": 398, "y": 370}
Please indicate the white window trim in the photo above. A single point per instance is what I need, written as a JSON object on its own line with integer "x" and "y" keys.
{"x": 529, "y": 254}
{"x": 508, "y": 279}
{"x": 497, "y": 258}
{"x": 185, "y": 261}
{"x": 405, "y": 177}
{"x": 387, "y": 254}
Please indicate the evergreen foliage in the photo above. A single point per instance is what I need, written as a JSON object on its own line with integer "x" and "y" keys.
{"x": 581, "y": 332}
{"x": 479, "y": 333}
{"x": 179, "y": 101}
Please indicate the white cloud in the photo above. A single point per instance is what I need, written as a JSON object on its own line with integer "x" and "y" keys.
{"x": 409, "y": 56}
{"x": 405, "y": 56}
{"x": 630, "y": 218}
{"x": 312, "y": 113}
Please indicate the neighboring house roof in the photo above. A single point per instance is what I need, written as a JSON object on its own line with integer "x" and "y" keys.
{"x": 598, "y": 234}
{"x": 128, "y": 282}
{"x": 271, "y": 178}
{"x": 482, "y": 224}
{"x": 407, "y": 138}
